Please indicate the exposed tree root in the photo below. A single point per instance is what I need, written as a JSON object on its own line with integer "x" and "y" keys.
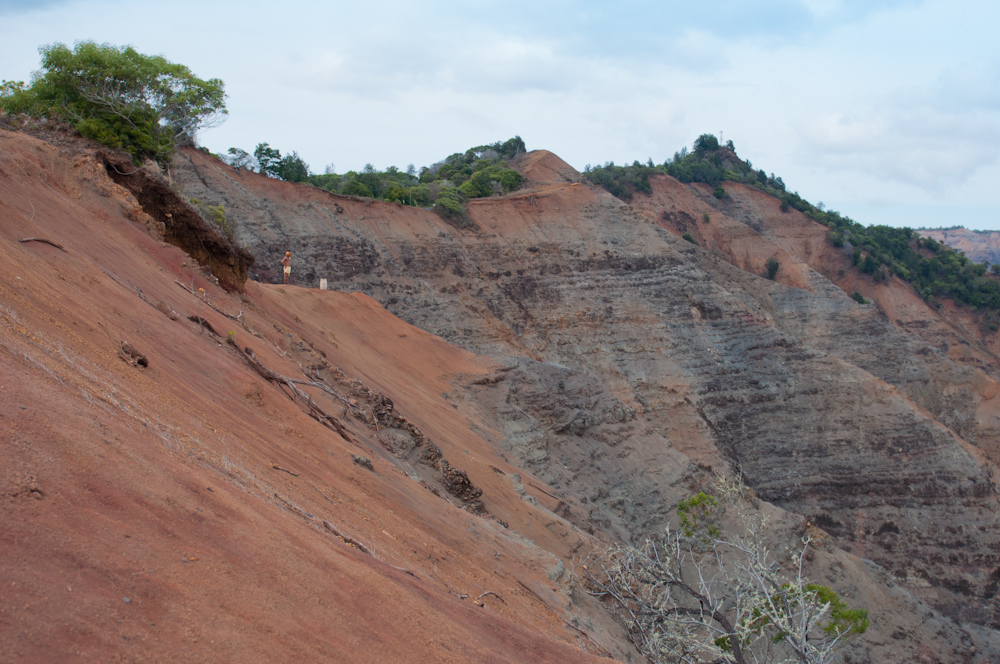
{"x": 314, "y": 410}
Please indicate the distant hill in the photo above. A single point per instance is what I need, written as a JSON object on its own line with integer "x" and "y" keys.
{"x": 979, "y": 246}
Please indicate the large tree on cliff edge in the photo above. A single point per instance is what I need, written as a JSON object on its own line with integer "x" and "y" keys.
{"x": 143, "y": 104}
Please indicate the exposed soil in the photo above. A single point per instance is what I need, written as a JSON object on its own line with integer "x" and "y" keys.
{"x": 184, "y": 510}
{"x": 411, "y": 472}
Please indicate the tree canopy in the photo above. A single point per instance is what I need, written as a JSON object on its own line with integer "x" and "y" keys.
{"x": 291, "y": 167}
{"x": 143, "y": 104}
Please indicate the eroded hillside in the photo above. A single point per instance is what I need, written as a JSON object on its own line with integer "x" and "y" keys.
{"x": 163, "y": 501}
{"x": 411, "y": 469}
{"x": 636, "y": 361}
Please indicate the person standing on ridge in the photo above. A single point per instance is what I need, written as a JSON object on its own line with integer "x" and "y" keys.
{"x": 286, "y": 265}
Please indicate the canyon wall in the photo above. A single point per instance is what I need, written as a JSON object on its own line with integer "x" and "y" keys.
{"x": 635, "y": 363}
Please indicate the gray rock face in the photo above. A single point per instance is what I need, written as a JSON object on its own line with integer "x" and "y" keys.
{"x": 638, "y": 363}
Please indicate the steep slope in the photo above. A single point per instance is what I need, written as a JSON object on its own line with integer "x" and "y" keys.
{"x": 633, "y": 362}
{"x": 161, "y": 501}
{"x": 747, "y": 227}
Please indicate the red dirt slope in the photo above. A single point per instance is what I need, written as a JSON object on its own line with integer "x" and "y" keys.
{"x": 175, "y": 512}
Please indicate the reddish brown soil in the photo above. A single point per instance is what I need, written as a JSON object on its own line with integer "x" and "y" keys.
{"x": 141, "y": 514}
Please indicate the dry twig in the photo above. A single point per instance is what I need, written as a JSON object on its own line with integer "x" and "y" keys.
{"x": 490, "y": 592}
{"x": 297, "y": 509}
{"x": 41, "y": 239}
{"x": 347, "y": 538}
{"x": 321, "y": 491}
{"x": 204, "y": 299}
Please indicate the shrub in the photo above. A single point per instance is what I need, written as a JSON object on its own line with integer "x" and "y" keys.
{"x": 450, "y": 207}
{"x": 689, "y": 238}
{"x": 700, "y": 594}
{"x": 719, "y": 192}
{"x": 772, "y": 266}
{"x": 216, "y": 214}
{"x": 859, "y": 298}
{"x": 357, "y": 188}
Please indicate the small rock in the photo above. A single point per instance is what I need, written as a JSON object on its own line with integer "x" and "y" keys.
{"x": 363, "y": 461}
{"x": 126, "y": 600}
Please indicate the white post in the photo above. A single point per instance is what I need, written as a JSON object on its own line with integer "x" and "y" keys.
{"x": 322, "y": 284}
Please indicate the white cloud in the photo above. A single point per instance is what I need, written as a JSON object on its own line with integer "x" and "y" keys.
{"x": 932, "y": 138}
{"x": 848, "y": 100}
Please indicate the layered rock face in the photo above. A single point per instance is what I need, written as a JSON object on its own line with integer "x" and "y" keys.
{"x": 634, "y": 363}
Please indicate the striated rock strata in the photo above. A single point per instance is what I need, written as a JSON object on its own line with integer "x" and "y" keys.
{"x": 639, "y": 362}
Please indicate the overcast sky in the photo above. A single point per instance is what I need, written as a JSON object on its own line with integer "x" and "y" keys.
{"x": 886, "y": 110}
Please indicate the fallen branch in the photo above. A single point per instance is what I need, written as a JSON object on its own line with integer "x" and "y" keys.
{"x": 145, "y": 571}
{"x": 205, "y": 300}
{"x": 285, "y": 470}
{"x": 321, "y": 491}
{"x": 297, "y": 509}
{"x": 347, "y": 539}
{"x": 124, "y": 283}
{"x": 205, "y": 325}
{"x": 314, "y": 411}
{"x": 531, "y": 484}
{"x": 489, "y": 592}
{"x": 321, "y": 384}
{"x": 41, "y": 239}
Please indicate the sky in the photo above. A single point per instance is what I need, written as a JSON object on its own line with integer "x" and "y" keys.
{"x": 887, "y": 111}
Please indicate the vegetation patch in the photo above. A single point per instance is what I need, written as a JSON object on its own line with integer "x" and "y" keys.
{"x": 119, "y": 97}
{"x": 446, "y": 186}
{"x": 935, "y": 270}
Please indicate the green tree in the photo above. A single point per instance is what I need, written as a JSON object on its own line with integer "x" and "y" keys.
{"x": 706, "y": 143}
{"x": 357, "y": 188}
{"x": 268, "y": 159}
{"x": 143, "y": 104}
{"x": 450, "y": 207}
{"x": 292, "y": 168}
